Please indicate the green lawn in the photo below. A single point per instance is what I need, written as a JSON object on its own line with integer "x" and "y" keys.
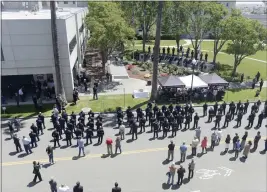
{"x": 109, "y": 103}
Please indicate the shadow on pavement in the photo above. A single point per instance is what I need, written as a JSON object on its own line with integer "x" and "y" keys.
{"x": 263, "y": 152}
{"x": 165, "y": 162}
{"x": 186, "y": 180}
{"x": 242, "y": 159}
{"x": 105, "y": 156}
{"x": 97, "y": 144}
{"x": 223, "y": 153}
{"x": 232, "y": 159}
{"x": 31, "y": 184}
{"x": 189, "y": 156}
{"x": 129, "y": 141}
{"x": 22, "y": 155}
{"x": 166, "y": 186}
{"x": 7, "y": 139}
{"x": 13, "y": 153}
{"x": 46, "y": 165}
{"x": 76, "y": 157}
{"x": 64, "y": 147}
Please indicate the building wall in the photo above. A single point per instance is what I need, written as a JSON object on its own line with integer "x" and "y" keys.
{"x": 67, "y": 3}
{"x": 259, "y": 17}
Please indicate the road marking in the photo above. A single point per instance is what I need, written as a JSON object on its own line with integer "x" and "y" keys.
{"x": 91, "y": 156}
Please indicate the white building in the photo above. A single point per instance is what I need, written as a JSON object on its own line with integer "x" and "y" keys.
{"x": 27, "y": 49}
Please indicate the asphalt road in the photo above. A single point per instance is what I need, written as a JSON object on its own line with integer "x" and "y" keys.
{"x": 141, "y": 166}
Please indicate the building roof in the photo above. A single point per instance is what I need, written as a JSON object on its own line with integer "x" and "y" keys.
{"x": 170, "y": 81}
{"x": 62, "y": 13}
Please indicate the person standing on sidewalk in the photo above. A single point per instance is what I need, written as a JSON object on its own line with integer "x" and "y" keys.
{"x": 247, "y": 149}
{"x": 227, "y": 143}
{"x": 171, "y": 147}
{"x": 180, "y": 172}
{"x": 36, "y": 171}
{"x": 50, "y": 153}
{"x": 213, "y": 140}
{"x": 243, "y": 142}
{"x": 237, "y": 148}
{"x": 219, "y": 136}
{"x": 81, "y": 146}
{"x": 122, "y": 132}
{"x": 109, "y": 146}
{"x": 191, "y": 167}
{"x": 236, "y": 137}
{"x": 26, "y": 143}
{"x": 11, "y": 129}
{"x": 198, "y": 133}
{"x": 117, "y": 144}
{"x": 116, "y": 188}
{"x": 183, "y": 150}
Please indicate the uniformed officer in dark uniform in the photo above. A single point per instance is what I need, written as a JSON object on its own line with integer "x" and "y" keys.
{"x": 17, "y": 144}
{"x": 173, "y": 51}
{"x": 206, "y": 57}
{"x": 155, "y": 109}
{"x": 156, "y": 129}
{"x": 68, "y": 135}
{"x": 218, "y": 120}
{"x": 153, "y": 120}
{"x": 211, "y": 114}
{"x": 100, "y": 134}
{"x": 227, "y": 119}
{"x": 187, "y": 122}
{"x": 39, "y": 124}
{"x": 251, "y": 118}
{"x": 192, "y": 54}
{"x": 40, "y": 116}
{"x": 89, "y": 133}
{"x": 147, "y": 110}
{"x": 80, "y": 126}
{"x": 201, "y": 56}
{"x": 55, "y": 135}
{"x": 149, "y": 49}
{"x": 134, "y": 130}
{"x": 180, "y": 120}
{"x": 205, "y": 108}
{"x": 232, "y": 111}
{"x": 254, "y": 108}
{"x": 138, "y": 112}
{"x": 70, "y": 126}
{"x": 174, "y": 128}
{"x": 98, "y": 124}
{"x": 165, "y": 128}
{"x": 35, "y": 130}
{"x": 62, "y": 123}
{"x": 239, "y": 119}
{"x": 33, "y": 139}
{"x": 238, "y": 105}
{"x": 196, "y": 119}
{"x": 81, "y": 119}
{"x": 260, "y": 118}
{"x": 191, "y": 111}
{"x": 73, "y": 116}
{"x": 65, "y": 115}
{"x": 223, "y": 107}
{"x": 246, "y": 107}
{"x": 168, "y": 50}
{"x": 150, "y": 116}
{"x": 187, "y": 52}
{"x": 143, "y": 124}
{"x": 215, "y": 108}
{"x": 163, "y": 50}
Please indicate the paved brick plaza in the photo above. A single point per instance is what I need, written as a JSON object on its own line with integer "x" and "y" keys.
{"x": 141, "y": 167}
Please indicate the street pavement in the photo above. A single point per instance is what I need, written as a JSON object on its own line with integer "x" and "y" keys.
{"x": 140, "y": 168}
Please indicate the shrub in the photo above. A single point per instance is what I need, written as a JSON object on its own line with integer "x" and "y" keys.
{"x": 135, "y": 72}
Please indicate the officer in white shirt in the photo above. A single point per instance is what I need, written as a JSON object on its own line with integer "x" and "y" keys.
{"x": 26, "y": 143}
{"x": 219, "y": 135}
{"x": 21, "y": 94}
{"x": 63, "y": 188}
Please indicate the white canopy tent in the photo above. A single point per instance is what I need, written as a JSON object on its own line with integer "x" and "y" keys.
{"x": 197, "y": 82}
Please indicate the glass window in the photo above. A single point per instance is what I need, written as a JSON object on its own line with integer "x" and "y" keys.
{"x": 65, "y": 2}
{"x": 2, "y": 55}
{"x": 73, "y": 2}
{"x": 72, "y": 44}
{"x": 227, "y": 5}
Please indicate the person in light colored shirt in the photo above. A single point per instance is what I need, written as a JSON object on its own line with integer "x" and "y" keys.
{"x": 183, "y": 150}
{"x": 213, "y": 139}
{"x": 55, "y": 111}
{"x": 81, "y": 146}
{"x": 26, "y": 143}
{"x": 63, "y": 188}
{"x": 198, "y": 133}
{"x": 219, "y": 135}
{"x": 194, "y": 145}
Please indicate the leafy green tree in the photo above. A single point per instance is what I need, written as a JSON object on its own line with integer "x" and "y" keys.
{"x": 246, "y": 38}
{"x": 217, "y": 23}
{"x": 110, "y": 31}
{"x": 175, "y": 20}
{"x": 156, "y": 53}
{"x": 198, "y": 21}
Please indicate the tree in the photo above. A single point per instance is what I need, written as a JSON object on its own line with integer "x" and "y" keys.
{"x": 198, "y": 22}
{"x": 246, "y": 38}
{"x": 175, "y": 20}
{"x": 59, "y": 82}
{"x": 156, "y": 54}
{"x": 217, "y": 23}
{"x": 109, "y": 28}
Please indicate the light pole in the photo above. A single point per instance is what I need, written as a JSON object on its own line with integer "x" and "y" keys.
{"x": 194, "y": 63}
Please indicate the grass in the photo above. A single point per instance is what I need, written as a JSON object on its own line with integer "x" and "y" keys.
{"x": 110, "y": 102}
{"x": 247, "y": 66}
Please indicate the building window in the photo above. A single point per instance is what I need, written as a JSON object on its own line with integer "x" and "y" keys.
{"x": 227, "y": 5}
{"x": 73, "y": 2}
{"x": 2, "y": 55}
{"x": 81, "y": 28}
{"x": 72, "y": 44}
{"x": 65, "y": 2}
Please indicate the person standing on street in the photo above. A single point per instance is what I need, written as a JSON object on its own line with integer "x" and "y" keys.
{"x": 122, "y": 132}
{"x": 260, "y": 118}
{"x": 256, "y": 140}
{"x": 198, "y": 133}
{"x": 134, "y": 130}
{"x": 41, "y": 116}
{"x": 36, "y": 171}
{"x": 78, "y": 187}
{"x": 55, "y": 135}
{"x": 227, "y": 120}
{"x": 204, "y": 144}
{"x": 227, "y": 143}
{"x": 247, "y": 149}
{"x": 81, "y": 146}
{"x": 183, "y": 150}
{"x": 26, "y": 143}
{"x": 194, "y": 145}
{"x": 116, "y": 188}
{"x": 109, "y": 146}
{"x": 117, "y": 144}
{"x": 196, "y": 119}
{"x": 11, "y": 129}
{"x": 243, "y": 142}
{"x": 95, "y": 97}
{"x": 53, "y": 185}
{"x": 171, "y": 147}
{"x": 251, "y": 118}
{"x": 239, "y": 119}
{"x": 171, "y": 173}
{"x": 237, "y": 148}
{"x": 100, "y": 134}
{"x": 50, "y": 153}
{"x": 205, "y": 107}
{"x": 180, "y": 172}
{"x": 236, "y": 137}
{"x": 68, "y": 135}
{"x": 17, "y": 143}
{"x": 191, "y": 168}
{"x": 33, "y": 139}
{"x": 219, "y": 136}
{"x": 213, "y": 140}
